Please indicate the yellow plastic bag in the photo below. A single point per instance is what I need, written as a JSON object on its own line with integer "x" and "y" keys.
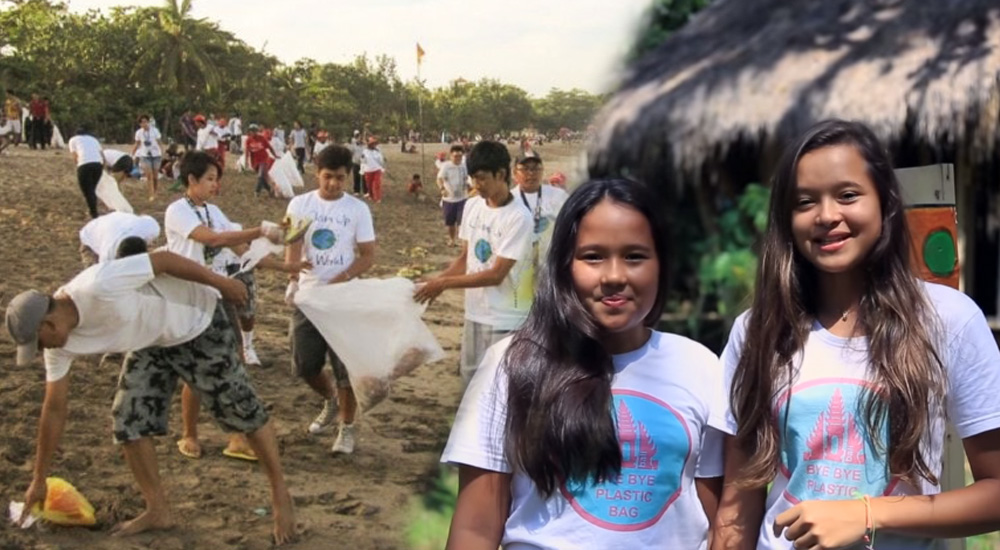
{"x": 64, "y": 505}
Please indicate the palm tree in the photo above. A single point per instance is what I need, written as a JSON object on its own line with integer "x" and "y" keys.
{"x": 174, "y": 53}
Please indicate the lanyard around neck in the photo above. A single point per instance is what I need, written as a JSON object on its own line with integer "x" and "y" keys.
{"x": 209, "y": 252}
{"x": 537, "y": 214}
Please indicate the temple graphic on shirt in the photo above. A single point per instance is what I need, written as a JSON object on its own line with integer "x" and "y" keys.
{"x": 835, "y": 436}
{"x": 638, "y": 449}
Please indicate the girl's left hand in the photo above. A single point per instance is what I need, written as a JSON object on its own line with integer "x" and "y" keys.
{"x": 823, "y": 524}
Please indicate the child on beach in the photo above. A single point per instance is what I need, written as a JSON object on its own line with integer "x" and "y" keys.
{"x": 148, "y": 150}
{"x": 844, "y": 370}
{"x": 415, "y": 187}
{"x": 588, "y": 428}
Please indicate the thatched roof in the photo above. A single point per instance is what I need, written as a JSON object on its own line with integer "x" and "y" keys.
{"x": 766, "y": 69}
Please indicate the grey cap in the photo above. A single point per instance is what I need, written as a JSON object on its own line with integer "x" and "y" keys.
{"x": 24, "y": 316}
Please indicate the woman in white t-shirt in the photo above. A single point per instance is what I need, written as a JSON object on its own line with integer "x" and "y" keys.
{"x": 149, "y": 152}
{"x": 587, "y": 428}
{"x": 199, "y": 230}
{"x": 846, "y": 367}
{"x": 86, "y": 152}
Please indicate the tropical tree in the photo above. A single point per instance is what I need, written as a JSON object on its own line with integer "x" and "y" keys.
{"x": 174, "y": 55}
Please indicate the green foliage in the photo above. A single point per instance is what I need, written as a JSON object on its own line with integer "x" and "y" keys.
{"x": 663, "y": 18}
{"x": 728, "y": 264}
{"x": 105, "y": 70}
{"x": 430, "y": 515}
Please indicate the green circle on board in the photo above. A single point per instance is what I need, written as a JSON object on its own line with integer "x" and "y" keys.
{"x": 940, "y": 253}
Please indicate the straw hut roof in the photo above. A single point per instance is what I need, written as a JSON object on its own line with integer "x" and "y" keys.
{"x": 760, "y": 70}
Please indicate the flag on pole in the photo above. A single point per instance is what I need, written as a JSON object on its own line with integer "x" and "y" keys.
{"x": 420, "y": 54}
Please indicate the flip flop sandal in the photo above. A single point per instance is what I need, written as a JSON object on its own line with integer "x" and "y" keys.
{"x": 240, "y": 455}
{"x": 187, "y": 452}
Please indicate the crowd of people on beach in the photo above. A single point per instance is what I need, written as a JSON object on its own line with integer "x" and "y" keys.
{"x": 581, "y": 424}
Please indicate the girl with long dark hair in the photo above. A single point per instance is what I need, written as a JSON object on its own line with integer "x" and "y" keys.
{"x": 845, "y": 368}
{"x": 587, "y": 428}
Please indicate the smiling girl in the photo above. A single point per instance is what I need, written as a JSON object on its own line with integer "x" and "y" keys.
{"x": 846, "y": 367}
{"x": 587, "y": 428}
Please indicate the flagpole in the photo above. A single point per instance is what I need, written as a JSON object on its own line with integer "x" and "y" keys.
{"x": 420, "y": 114}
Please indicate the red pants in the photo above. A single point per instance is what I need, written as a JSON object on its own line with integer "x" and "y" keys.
{"x": 374, "y": 182}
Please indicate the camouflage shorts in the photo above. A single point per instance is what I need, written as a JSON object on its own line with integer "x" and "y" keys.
{"x": 248, "y": 310}
{"x": 209, "y": 364}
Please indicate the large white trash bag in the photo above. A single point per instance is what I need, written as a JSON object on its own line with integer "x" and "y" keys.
{"x": 107, "y": 191}
{"x": 374, "y": 326}
{"x": 286, "y": 175}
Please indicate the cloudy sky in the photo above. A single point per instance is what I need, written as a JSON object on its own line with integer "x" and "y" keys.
{"x": 534, "y": 44}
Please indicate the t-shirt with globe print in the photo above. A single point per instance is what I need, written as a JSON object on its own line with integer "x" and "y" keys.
{"x": 544, "y": 207}
{"x": 329, "y": 243}
{"x": 663, "y": 397}
{"x": 490, "y": 233}
{"x": 826, "y": 449}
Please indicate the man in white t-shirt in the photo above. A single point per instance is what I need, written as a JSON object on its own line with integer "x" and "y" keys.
{"x": 89, "y": 159}
{"x": 341, "y": 223}
{"x": 152, "y": 307}
{"x": 104, "y": 238}
{"x": 235, "y": 134}
{"x": 541, "y": 200}
{"x": 495, "y": 263}
{"x": 298, "y": 141}
{"x": 453, "y": 182}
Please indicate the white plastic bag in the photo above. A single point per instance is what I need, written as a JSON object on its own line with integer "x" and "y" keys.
{"x": 260, "y": 248}
{"x": 374, "y": 326}
{"x": 286, "y": 175}
{"x": 107, "y": 191}
{"x": 241, "y": 164}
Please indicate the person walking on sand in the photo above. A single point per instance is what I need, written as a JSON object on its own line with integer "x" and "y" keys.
{"x": 453, "y": 182}
{"x": 149, "y": 152}
{"x": 12, "y": 109}
{"x": 373, "y": 166}
{"x": 164, "y": 311}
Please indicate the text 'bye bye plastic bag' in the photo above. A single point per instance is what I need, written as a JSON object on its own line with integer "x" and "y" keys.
{"x": 374, "y": 326}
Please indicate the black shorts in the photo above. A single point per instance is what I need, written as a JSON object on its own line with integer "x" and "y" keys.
{"x": 310, "y": 351}
{"x": 453, "y": 212}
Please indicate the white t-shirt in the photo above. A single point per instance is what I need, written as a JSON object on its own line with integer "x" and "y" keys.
{"x": 337, "y": 227}
{"x": 208, "y": 138}
{"x": 455, "y": 181}
{"x": 826, "y": 452}
{"x": 489, "y": 233}
{"x": 235, "y": 126}
{"x": 111, "y": 156}
{"x": 356, "y": 148}
{"x": 104, "y": 233}
{"x": 543, "y": 213}
{"x": 152, "y": 136}
{"x": 299, "y": 137}
{"x": 664, "y": 394}
{"x": 87, "y": 149}
{"x": 181, "y": 219}
{"x": 124, "y": 307}
{"x": 371, "y": 160}
{"x": 319, "y": 146}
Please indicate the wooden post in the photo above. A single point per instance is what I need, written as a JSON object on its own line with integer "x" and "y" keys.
{"x": 929, "y": 194}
